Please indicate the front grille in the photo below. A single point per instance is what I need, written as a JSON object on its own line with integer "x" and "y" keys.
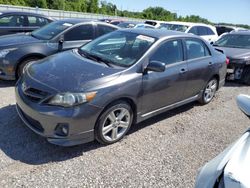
{"x": 33, "y": 123}
{"x": 34, "y": 94}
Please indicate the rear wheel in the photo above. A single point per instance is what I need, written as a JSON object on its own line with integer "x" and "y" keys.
{"x": 114, "y": 123}
{"x": 209, "y": 91}
{"x": 22, "y": 65}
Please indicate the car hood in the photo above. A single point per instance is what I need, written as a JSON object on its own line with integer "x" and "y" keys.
{"x": 236, "y": 53}
{"x": 16, "y": 39}
{"x": 70, "y": 72}
{"x": 236, "y": 156}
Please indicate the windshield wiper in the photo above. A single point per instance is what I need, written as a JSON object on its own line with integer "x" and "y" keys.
{"x": 95, "y": 58}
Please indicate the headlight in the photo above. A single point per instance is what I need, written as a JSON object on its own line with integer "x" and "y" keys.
{"x": 71, "y": 99}
{"x": 4, "y": 52}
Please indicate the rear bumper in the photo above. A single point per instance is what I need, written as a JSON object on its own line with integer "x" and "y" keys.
{"x": 45, "y": 121}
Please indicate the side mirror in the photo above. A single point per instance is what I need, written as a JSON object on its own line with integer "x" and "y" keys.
{"x": 243, "y": 102}
{"x": 156, "y": 66}
{"x": 60, "y": 43}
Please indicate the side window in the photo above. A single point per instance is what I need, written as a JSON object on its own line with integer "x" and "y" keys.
{"x": 193, "y": 30}
{"x": 196, "y": 49}
{"x": 169, "y": 52}
{"x": 37, "y": 21}
{"x": 13, "y": 21}
{"x": 210, "y": 31}
{"x": 202, "y": 31}
{"x": 83, "y": 32}
{"x": 103, "y": 29}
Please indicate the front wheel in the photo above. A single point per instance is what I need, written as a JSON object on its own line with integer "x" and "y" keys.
{"x": 209, "y": 91}
{"x": 114, "y": 123}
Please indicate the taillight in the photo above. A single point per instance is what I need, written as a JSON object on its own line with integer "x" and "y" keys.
{"x": 227, "y": 61}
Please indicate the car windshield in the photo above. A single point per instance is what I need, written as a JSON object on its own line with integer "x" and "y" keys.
{"x": 119, "y": 48}
{"x": 51, "y": 30}
{"x": 174, "y": 27}
{"x": 234, "y": 41}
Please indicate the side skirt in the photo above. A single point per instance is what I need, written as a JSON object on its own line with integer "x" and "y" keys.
{"x": 166, "y": 108}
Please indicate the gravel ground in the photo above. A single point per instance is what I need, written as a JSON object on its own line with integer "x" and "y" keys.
{"x": 165, "y": 151}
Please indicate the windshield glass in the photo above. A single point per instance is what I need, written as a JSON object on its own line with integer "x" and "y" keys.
{"x": 174, "y": 27}
{"x": 234, "y": 41}
{"x": 51, "y": 30}
{"x": 119, "y": 48}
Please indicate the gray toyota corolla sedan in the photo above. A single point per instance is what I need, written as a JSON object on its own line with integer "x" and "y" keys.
{"x": 99, "y": 90}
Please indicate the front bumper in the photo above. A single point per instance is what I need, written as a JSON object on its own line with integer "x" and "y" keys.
{"x": 44, "y": 120}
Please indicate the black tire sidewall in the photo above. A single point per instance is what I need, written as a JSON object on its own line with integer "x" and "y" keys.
{"x": 98, "y": 128}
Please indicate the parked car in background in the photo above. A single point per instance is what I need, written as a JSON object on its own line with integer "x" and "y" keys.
{"x": 19, "y": 22}
{"x": 236, "y": 46}
{"x": 144, "y": 26}
{"x": 155, "y": 23}
{"x": 221, "y": 29}
{"x": 99, "y": 90}
{"x": 231, "y": 168}
{"x": 207, "y": 32}
{"x": 19, "y": 49}
{"x": 116, "y": 22}
{"x": 127, "y": 24}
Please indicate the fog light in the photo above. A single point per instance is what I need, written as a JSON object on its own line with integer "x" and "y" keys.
{"x": 62, "y": 129}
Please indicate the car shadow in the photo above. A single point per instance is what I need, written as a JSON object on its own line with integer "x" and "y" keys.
{"x": 234, "y": 84}
{"x": 19, "y": 143}
{"x": 162, "y": 116}
{"x": 5, "y": 83}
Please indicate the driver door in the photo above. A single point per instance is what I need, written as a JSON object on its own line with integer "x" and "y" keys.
{"x": 161, "y": 89}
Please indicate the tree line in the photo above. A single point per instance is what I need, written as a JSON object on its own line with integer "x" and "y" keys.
{"x": 104, "y": 7}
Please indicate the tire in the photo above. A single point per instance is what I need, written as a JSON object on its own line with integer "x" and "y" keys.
{"x": 245, "y": 79}
{"x": 22, "y": 65}
{"x": 209, "y": 91}
{"x": 111, "y": 128}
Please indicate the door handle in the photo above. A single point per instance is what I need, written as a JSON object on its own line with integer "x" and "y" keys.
{"x": 183, "y": 70}
{"x": 210, "y": 63}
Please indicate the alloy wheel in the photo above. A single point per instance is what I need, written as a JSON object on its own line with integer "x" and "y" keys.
{"x": 116, "y": 124}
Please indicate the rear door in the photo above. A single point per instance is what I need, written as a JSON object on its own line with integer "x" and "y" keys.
{"x": 11, "y": 24}
{"x": 35, "y": 22}
{"x": 200, "y": 66}
{"x": 207, "y": 33}
{"x": 161, "y": 89}
{"x": 78, "y": 35}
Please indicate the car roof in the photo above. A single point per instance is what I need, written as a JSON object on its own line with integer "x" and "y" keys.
{"x": 25, "y": 13}
{"x": 189, "y": 23}
{"x": 158, "y": 33}
{"x": 75, "y": 21}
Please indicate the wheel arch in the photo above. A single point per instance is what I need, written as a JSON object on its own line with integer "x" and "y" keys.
{"x": 128, "y": 100}
{"x": 29, "y": 56}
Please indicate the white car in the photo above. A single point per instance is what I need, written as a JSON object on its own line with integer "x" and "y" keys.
{"x": 207, "y": 32}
